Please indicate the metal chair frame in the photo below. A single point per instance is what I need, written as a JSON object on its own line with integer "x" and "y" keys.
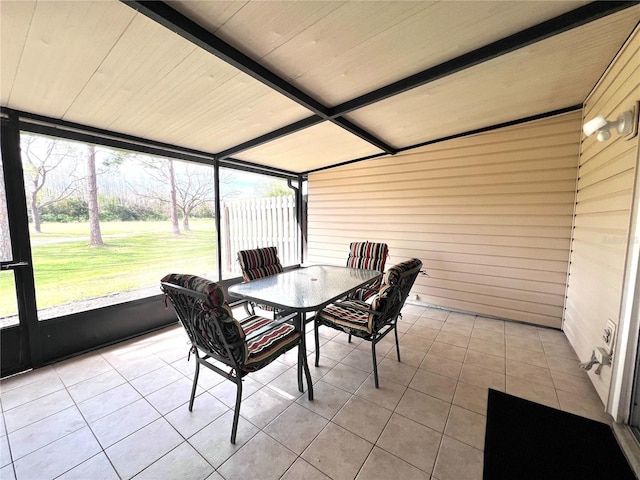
{"x": 386, "y": 319}
{"x": 186, "y": 311}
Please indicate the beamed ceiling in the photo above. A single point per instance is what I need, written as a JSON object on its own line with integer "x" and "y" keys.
{"x": 303, "y": 85}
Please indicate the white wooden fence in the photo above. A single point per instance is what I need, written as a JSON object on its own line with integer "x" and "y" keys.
{"x": 255, "y": 223}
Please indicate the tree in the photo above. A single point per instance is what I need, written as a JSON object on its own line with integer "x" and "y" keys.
{"x": 194, "y": 189}
{"x": 41, "y": 156}
{"x": 162, "y": 174}
{"x": 190, "y": 187}
{"x": 173, "y": 211}
{"x": 95, "y": 236}
{"x": 228, "y": 184}
{"x": 276, "y": 189}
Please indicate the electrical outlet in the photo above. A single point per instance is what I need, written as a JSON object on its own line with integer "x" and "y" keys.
{"x": 609, "y": 336}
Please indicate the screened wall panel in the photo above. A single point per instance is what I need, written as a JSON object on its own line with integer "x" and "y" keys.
{"x": 489, "y": 215}
{"x": 603, "y": 214}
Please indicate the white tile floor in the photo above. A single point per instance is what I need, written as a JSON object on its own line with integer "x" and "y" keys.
{"x": 121, "y": 412}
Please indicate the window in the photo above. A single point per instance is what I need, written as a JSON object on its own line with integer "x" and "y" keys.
{"x": 106, "y": 225}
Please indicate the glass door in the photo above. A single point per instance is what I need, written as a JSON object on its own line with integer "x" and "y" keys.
{"x": 15, "y": 271}
{"x": 8, "y": 297}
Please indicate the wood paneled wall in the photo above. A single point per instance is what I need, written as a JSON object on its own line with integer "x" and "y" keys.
{"x": 490, "y": 216}
{"x": 603, "y": 213}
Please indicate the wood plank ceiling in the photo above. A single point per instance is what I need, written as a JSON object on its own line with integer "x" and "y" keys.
{"x": 303, "y": 85}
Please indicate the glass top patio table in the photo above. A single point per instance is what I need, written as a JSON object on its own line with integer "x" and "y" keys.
{"x": 302, "y": 290}
{"x": 305, "y": 289}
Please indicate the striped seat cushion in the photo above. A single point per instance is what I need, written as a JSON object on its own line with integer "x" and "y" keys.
{"x": 351, "y": 320}
{"x": 260, "y": 262}
{"x": 349, "y": 317}
{"x": 266, "y": 347}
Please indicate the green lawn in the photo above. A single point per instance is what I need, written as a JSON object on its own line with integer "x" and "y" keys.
{"x": 52, "y": 232}
{"x": 137, "y": 254}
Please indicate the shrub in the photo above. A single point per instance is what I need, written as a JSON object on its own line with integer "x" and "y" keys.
{"x": 65, "y": 211}
{"x": 113, "y": 209}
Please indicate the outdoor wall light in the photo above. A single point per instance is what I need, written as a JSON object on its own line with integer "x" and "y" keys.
{"x": 626, "y": 125}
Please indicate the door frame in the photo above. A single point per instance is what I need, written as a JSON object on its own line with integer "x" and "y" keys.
{"x": 624, "y": 390}
{"x": 19, "y": 343}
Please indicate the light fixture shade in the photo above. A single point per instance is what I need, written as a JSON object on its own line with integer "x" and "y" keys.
{"x": 603, "y": 135}
{"x": 592, "y": 126}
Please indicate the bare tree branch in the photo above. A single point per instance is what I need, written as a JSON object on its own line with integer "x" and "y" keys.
{"x": 41, "y": 156}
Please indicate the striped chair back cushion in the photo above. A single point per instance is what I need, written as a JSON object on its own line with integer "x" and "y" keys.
{"x": 209, "y": 323}
{"x": 395, "y": 273}
{"x": 260, "y": 262}
{"x": 368, "y": 255}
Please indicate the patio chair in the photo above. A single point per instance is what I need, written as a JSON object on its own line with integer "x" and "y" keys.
{"x": 259, "y": 263}
{"x": 368, "y": 256}
{"x": 246, "y": 346}
{"x": 373, "y": 321}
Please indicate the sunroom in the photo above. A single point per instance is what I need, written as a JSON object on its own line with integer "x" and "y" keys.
{"x": 143, "y": 138}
